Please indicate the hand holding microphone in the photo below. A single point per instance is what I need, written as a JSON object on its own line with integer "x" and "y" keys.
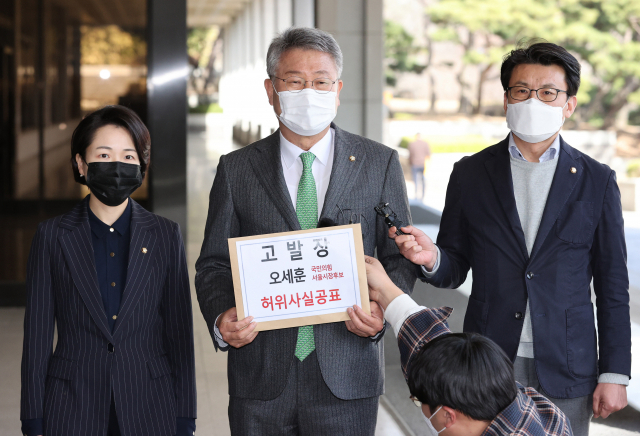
{"x": 413, "y": 244}
{"x": 416, "y": 246}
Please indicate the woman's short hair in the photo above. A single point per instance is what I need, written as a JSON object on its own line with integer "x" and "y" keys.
{"x": 114, "y": 115}
{"x": 464, "y": 371}
{"x": 543, "y": 53}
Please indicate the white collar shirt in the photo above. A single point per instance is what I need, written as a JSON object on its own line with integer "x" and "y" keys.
{"x": 321, "y": 167}
{"x": 548, "y": 155}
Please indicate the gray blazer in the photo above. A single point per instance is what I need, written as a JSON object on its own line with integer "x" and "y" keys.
{"x": 249, "y": 197}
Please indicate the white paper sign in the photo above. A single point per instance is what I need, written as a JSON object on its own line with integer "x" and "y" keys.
{"x": 286, "y": 276}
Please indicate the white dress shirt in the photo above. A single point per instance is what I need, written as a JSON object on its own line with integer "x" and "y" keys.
{"x": 549, "y": 154}
{"x": 321, "y": 167}
{"x": 292, "y": 170}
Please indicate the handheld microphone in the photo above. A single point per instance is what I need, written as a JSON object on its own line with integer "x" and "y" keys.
{"x": 390, "y": 217}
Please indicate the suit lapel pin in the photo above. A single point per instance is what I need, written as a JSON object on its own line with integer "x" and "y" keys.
{"x": 573, "y": 170}
{"x": 144, "y": 250}
{"x": 352, "y": 158}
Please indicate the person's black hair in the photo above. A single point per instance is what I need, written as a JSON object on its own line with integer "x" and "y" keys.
{"x": 115, "y": 115}
{"x": 542, "y": 53}
{"x": 466, "y": 372}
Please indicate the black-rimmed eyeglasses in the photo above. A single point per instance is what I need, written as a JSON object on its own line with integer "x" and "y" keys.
{"x": 544, "y": 94}
{"x": 297, "y": 84}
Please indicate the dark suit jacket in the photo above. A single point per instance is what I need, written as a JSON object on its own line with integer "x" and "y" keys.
{"x": 581, "y": 237}
{"x": 249, "y": 197}
{"x": 148, "y": 360}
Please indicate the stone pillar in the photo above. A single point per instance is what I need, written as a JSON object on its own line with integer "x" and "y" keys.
{"x": 269, "y": 15}
{"x": 357, "y": 25}
{"x": 304, "y": 13}
{"x": 167, "y": 108}
{"x": 284, "y": 14}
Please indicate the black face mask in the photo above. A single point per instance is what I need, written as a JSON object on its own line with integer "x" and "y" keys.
{"x": 113, "y": 182}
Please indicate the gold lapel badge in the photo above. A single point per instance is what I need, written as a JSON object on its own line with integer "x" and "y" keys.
{"x": 352, "y": 158}
{"x": 144, "y": 250}
{"x": 573, "y": 170}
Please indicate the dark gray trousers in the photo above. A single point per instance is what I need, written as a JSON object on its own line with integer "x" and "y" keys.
{"x": 305, "y": 407}
{"x": 578, "y": 410}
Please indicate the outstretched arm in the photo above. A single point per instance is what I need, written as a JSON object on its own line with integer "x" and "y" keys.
{"x": 446, "y": 264}
{"x": 414, "y": 325}
{"x": 394, "y": 190}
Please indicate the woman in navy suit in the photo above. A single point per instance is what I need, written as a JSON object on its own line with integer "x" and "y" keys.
{"x": 112, "y": 278}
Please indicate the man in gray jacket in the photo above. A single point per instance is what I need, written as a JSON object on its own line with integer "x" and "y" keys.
{"x": 323, "y": 379}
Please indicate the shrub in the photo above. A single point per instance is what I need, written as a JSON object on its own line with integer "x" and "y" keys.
{"x": 452, "y": 144}
{"x": 633, "y": 170}
{"x": 206, "y": 109}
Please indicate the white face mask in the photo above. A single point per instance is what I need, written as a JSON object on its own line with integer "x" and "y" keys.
{"x": 534, "y": 121}
{"x": 430, "y": 428}
{"x": 307, "y": 112}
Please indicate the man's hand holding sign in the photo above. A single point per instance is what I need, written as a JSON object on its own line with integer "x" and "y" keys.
{"x": 236, "y": 333}
{"x": 299, "y": 278}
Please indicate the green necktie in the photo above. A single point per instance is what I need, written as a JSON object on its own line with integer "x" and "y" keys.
{"x": 307, "y": 211}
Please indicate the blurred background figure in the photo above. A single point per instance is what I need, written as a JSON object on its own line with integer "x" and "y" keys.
{"x": 419, "y": 156}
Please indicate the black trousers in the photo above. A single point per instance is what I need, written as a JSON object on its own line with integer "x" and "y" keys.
{"x": 113, "y": 429}
{"x": 306, "y": 407}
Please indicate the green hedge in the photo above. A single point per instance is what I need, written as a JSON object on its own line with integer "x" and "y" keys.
{"x": 633, "y": 170}
{"x": 452, "y": 144}
{"x": 213, "y": 108}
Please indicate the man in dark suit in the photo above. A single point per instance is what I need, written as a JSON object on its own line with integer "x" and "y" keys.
{"x": 323, "y": 379}
{"x": 537, "y": 221}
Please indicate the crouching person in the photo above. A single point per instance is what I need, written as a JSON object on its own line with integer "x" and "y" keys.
{"x": 463, "y": 382}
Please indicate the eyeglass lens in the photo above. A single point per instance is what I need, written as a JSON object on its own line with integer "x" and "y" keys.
{"x": 522, "y": 93}
{"x": 295, "y": 84}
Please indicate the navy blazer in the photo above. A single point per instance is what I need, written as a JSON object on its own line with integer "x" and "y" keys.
{"x": 148, "y": 360}
{"x": 580, "y": 238}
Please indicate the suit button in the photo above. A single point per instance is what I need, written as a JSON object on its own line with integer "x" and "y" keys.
{"x": 530, "y": 275}
{"x": 112, "y": 254}
{"x": 110, "y": 348}
{"x": 113, "y": 284}
{"x": 519, "y": 315}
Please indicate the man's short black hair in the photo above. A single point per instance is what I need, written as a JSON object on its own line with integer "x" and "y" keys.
{"x": 543, "y": 53}
{"x": 110, "y": 116}
{"x": 464, "y": 371}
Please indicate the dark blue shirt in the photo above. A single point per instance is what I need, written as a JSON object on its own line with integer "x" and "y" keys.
{"x": 111, "y": 253}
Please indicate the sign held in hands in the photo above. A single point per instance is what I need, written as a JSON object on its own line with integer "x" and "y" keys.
{"x": 299, "y": 278}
